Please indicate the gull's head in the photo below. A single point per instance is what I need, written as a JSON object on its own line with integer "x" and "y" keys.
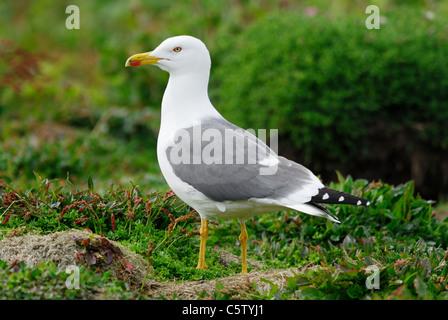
{"x": 181, "y": 54}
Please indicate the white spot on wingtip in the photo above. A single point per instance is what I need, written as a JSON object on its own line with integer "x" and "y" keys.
{"x": 341, "y": 198}
{"x": 359, "y": 203}
{"x": 325, "y": 196}
{"x": 368, "y": 203}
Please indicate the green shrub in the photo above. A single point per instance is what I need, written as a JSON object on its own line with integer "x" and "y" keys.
{"x": 344, "y": 97}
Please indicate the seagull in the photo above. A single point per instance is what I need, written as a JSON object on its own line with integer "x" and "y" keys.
{"x": 217, "y": 168}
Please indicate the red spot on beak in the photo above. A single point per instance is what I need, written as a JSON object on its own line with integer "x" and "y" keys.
{"x": 135, "y": 63}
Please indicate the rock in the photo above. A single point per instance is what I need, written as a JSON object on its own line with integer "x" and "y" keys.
{"x": 61, "y": 249}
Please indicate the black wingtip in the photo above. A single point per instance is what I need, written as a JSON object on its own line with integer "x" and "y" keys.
{"x": 331, "y": 215}
{"x": 330, "y": 196}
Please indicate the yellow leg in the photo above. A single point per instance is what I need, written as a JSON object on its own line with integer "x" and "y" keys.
{"x": 243, "y": 240}
{"x": 203, "y": 233}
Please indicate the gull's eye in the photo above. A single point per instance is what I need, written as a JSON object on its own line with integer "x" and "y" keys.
{"x": 177, "y": 49}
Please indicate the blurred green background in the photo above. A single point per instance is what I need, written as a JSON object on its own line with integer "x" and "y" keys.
{"x": 370, "y": 103}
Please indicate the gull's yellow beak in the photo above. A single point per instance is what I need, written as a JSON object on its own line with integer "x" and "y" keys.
{"x": 141, "y": 58}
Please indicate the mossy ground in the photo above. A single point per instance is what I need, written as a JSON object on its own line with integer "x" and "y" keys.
{"x": 398, "y": 241}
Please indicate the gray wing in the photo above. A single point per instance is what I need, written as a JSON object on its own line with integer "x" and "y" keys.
{"x": 225, "y": 162}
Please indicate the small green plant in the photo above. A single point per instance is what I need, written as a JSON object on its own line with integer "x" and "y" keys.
{"x": 417, "y": 272}
{"x": 46, "y": 282}
{"x": 100, "y": 250}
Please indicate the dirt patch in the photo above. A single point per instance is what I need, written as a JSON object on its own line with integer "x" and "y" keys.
{"x": 191, "y": 289}
{"x": 62, "y": 249}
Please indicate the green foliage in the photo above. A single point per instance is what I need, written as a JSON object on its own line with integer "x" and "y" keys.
{"x": 46, "y": 282}
{"x": 398, "y": 233}
{"x": 396, "y": 214}
{"x": 56, "y": 150}
{"x": 415, "y": 272}
{"x": 128, "y": 216}
{"x": 343, "y": 96}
